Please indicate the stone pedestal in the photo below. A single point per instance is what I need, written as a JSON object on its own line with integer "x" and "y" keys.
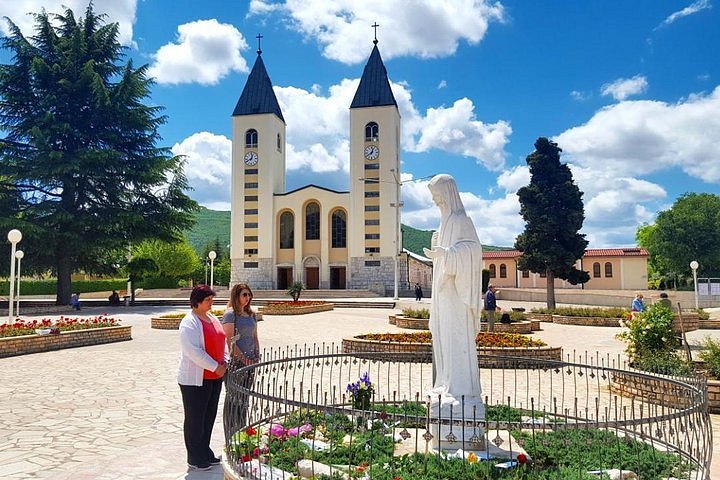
{"x": 463, "y": 429}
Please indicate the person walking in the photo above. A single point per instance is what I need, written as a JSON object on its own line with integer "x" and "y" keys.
{"x": 490, "y": 306}
{"x": 638, "y": 305}
{"x": 418, "y": 292}
{"x": 203, "y": 363}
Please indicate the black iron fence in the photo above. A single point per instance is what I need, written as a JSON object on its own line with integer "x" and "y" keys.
{"x": 582, "y": 417}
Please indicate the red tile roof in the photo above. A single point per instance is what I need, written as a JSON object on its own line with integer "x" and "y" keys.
{"x": 590, "y": 252}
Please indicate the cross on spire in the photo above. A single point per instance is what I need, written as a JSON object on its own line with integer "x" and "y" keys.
{"x": 259, "y": 37}
{"x": 375, "y": 25}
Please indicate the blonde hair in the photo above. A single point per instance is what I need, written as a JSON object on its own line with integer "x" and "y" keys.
{"x": 235, "y": 295}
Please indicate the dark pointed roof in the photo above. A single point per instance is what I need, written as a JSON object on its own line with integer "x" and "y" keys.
{"x": 374, "y": 89}
{"x": 258, "y": 96}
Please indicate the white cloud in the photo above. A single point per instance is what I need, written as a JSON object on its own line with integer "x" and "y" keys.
{"x": 442, "y": 84}
{"x": 514, "y": 179}
{"x": 342, "y": 27}
{"x": 120, "y": 11}
{"x": 456, "y": 130}
{"x": 206, "y": 51}
{"x": 208, "y": 168}
{"x": 635, "y": 138}
{"x": 622, "y": 88}
{"x": 691, "y": 9}
{"x": 579, "y": 96}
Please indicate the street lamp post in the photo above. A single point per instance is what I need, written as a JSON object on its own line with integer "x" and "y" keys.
{"x": 13, "y": 236}
{"x": 694, "y": 266}
{"x": 19, "y": 255}
{"x": 397, "y": 204}
{"x": 212, "y": 256}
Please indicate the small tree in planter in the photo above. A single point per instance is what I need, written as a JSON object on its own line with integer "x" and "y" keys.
{"x": 295, "y": 289}
{"x": 651, "y": 343}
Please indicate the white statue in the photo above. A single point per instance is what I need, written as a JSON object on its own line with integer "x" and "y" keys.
{"x": 456, "y": 306}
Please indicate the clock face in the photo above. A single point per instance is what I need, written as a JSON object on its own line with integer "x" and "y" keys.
{"x": 371, "y": 152}
{"x": 251, "y": 159}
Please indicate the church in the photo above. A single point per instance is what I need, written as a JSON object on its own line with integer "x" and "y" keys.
{"x": 324, "y": 238}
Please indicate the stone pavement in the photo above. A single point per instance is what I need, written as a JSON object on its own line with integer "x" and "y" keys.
{"x": 113, "y": 411}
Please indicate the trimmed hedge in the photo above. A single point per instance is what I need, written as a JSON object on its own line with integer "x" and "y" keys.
{"x": 49, "y": 287}
{"x": 610, "y": 312}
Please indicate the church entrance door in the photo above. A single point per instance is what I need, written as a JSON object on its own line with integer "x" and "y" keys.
{"x": 312, "y": 278}
{"x": 284, "y": 278}
{"x": 337, "y": 278}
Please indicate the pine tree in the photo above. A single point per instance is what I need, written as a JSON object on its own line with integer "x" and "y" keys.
{"x": 79, "y": 155}
{"x": 552, "y": 208}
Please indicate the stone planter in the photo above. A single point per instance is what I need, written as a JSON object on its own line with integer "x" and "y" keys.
{"x": 172, "y": 323}
{"x": 297, "y": 310}
{"x": 515, "y": 327}
{"x": 11, "y": 346}
{"x": 691, "y": 322}
{"x": 713, "y": 396}
{"x": 656, "y": 390}
{"x": 401, "y": 321}
{"x": 587, "y": 321}
{"x": 485, "y": 354}
{"x": 391, "y": 319}
{"x": 534, "y": 325}
{"x": 540, "y": 317}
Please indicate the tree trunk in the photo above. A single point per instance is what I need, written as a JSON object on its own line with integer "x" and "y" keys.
{"x": 550, "y": 289}
{"x": 64, "y": 279}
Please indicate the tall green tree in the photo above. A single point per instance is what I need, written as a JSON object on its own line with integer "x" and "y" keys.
{"x": 173, "y": 259}
{"x": 552, "y": 208}
{"x": 79, "y": 154}
{"x": 687, "y": 231}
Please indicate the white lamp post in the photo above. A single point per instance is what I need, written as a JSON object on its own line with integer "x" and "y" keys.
{"x": 19, "y": 255}
{"x": 397, "y": 204}
{"x": 694, "y": 266}
{"x": 212, "y": 256}
{"x": 13, "y": 236}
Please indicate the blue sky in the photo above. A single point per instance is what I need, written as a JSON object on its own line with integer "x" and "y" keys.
{"x": 629, "y": 90}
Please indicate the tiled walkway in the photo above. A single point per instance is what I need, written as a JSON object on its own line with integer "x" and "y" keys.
{"x": 113, "y": 411}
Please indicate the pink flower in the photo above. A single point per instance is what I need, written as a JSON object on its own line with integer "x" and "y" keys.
{"x": 277, "y": 430}
{"x": 294, "y": 432}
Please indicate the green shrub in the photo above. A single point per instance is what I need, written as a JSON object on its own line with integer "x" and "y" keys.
{"x": 702, "y": 314}
{"x": 514, "y": 316}
{"x": 49, "y": 287}
{"x": 600, "y": 312}
{"x": 711, "y": 357}
{"x": 668, "y": 363}
{"x": 423, "y": 313}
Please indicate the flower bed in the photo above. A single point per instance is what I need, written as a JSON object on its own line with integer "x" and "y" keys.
{"x": 514, "y": 327}
{"x": 489, "y": 345}
{"x": 171, "y": 321}
{"x": 296, "y": 308}
{"x": 20, "y": 338}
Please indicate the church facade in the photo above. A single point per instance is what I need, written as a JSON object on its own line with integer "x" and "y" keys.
{"x": 321, "y": 237}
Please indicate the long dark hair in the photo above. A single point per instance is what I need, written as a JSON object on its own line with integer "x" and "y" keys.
{"x": 234, "y": 301}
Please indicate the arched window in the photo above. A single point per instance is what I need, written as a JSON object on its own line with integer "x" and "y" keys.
{"x": 372, "y": 132}
{"x": 312, "y": 221}
{"x": 503, "y": 271}
{"x": 251, "y": 138}
{"x": 596, "y": 270}
{"x": 339, "y": 229}
{"x": 492, "y": 270}
{"x": 279, "y": 145}
{"x": 287, "y": 230}
{"x": 608, "y": 269}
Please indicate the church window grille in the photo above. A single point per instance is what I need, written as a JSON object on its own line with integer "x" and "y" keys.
{"x": 608, "y": 270}
{"x": 596, "y": 270}
{"x": 339, "y": 229}
{"x": 372, "y": 194}
{"x": 312, "y": 221}
{"x": 251, "y": 171}
{"x": 251, "y": 185}
{"x": 251, "y": 238}
{"x": 372, "y": 236}
{"x": 372, "y": 166}
{"x": 251, "y": 138}
{"x": 372, "y": 249}
{"x": 251, "y": 211}
{"x": 251, "y": 225}
{"x": 279, "y": 143}
{"x": 372, "y": 208}
{"x": 492, "y": 270}
{"x": 372, "y": 132}
{"x": 287, "y": 230}
{"x": 503, "y": 270}
{"x": 373, "y": 181}
{"x": 372, "y": 221}
{"x": 372, "y": 263}
{"x": 250, "y": 264}
{"x": 251, "y": 198}
{"x": 251, "y": 251}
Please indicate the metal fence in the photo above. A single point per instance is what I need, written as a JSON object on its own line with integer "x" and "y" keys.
{"x": 530, "y": 406}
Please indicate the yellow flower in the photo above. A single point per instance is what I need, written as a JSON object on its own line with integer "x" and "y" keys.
{"x": 472, "y": 458}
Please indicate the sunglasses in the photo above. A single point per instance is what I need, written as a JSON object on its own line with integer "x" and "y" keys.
{"x": 246, "y": 294}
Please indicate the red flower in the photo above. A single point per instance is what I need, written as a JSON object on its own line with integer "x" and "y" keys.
{"x": 522, "y": 458}
{"x": 245, "y": 458}
{"x": 251, "y": 431}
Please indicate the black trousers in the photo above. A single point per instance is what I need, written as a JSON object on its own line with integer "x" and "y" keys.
{"x": 200, "y": 405}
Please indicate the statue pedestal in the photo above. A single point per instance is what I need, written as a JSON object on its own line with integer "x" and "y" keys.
{"x": 459, "y": 431}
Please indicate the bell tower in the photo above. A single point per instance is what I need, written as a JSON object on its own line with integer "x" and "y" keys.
{"x": 258, "y": 172}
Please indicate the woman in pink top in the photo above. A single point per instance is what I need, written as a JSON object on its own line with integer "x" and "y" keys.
{"x": 203, "y": 362}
